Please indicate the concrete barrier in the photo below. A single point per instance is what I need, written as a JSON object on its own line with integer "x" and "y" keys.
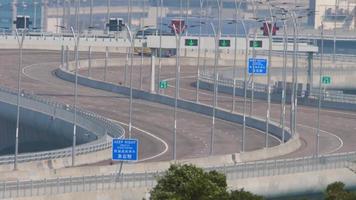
{"x": 276, "y": 97}
{"x": 53, "y": 120}
{"x": 253, "y": 122}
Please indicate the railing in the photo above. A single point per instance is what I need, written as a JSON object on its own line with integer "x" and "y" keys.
{"x": 22, "y": 188}
{"x": 209, "y": 77}
{"x": 98, "y": 125}
{"x": 333, "y": 96}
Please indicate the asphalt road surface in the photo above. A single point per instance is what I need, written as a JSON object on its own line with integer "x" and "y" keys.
{"x": 153, "y": 122}
{"x": 337, "y": 127}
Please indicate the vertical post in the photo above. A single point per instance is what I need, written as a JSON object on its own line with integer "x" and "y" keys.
{"x": 106, "y": 62}
{"x": 107, "y": 14}
{"x": 20, "y": 43}
{"x": 284, "y": 77}
{"x": 91, "y": 15}
{"x": 334, "y": 49}
{"x": 153, "y": 69}
{"x": 160, "y": 46}
{"x": 67, "y": 57}
{"x": 131, "y": 72}
{"x": 63, "y": 14}
{"x": 310, "y": 73}
{"x": 212, "y": 136}
{"x": 176, "y": 93}
{"x": 76, "y": 40}
{"x": 269, "y": 65}
{"x": 216, "y": 36}
{"x": 89, "y": 61}
{"x": 199, "y": 50}
{"x": 62, "y": 56}
{"x": 320, "y": 91}
{"x": 245, "y": 87}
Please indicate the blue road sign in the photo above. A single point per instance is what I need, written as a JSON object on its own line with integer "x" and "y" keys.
{"x": 260, "y": 66}
{"x": 125, "y": 149}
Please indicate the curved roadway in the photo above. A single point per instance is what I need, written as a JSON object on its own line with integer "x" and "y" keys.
{"x": 153, "y": 121}
{"x": 337, "y": 127}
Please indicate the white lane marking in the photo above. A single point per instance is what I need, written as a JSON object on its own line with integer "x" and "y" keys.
{"x": 332, "y": 134}
{"x": 150, "y": 134}
{"x": 141, "y": 130}
{"x": 302, "y": 125}
{"x": 224, "y": 121}
{"x": 33, "y": 65}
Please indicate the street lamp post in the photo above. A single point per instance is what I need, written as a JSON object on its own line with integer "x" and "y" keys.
{"x": 270, "y": 32}
{"x": 20, "y": 43}
{"x": 131, "y": 66}
{"x": 212, "y": 137}
{"x": 160, "y": 47}
{"x": 237, "y": 8}
{"x": 284, "y": 76}
{"x": 317, "y": 150}
{"x": 76, "y": 40}
{"x": 176, "y": 92}
{"x": 217, "y": 37}
{"x": 199, "y": 46}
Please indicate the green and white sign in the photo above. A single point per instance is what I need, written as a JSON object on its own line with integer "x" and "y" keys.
{"x": 326, "y": 80}
{"x": 191, "y": 42}
{"x": 224, "y": 43}
{"x": 163, "y": 84}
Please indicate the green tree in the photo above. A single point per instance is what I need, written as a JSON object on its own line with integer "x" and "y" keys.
{"x": 243, "y": 195}
{"x": 337, "y": 191}
{"x": 187, "y": 182}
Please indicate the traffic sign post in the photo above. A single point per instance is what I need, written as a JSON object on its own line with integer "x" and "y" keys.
{"x": 257, "y": 66}
{"x": 163, "y": 84}
{"x": 125, "y": 149}
{"x": 326, "y": 80}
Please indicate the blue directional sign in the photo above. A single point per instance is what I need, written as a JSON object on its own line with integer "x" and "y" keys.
{"x": 258, "y": 66}
{"x": 125, "y": 149}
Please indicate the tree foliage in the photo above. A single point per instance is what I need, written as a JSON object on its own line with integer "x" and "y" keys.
{"x": 187, "y": 182}
{"x": 337, "y": 191}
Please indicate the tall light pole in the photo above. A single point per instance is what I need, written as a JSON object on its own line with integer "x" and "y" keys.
{"x": 217, "y": 37}
{"x": 245, "y": 81}
{"x": 35, "y": 14}
{"x": 160, "y": 46}
{"x": 91, "y": 15}
{"x": 284, "y": 76}
{"x": 108, "y": 2}
{"x": 176, "y": 92}
{"x": 317, "y": 150}
{"x": 131, "y": 66}
{"x": 77, "y": 7}
{"x": 20, "y": 43}
{"x": 57, "y": 17}
{"x": 212, "y": 136}
{"x": 270, "y": 32}
{"x": 76, "y": 41}
{"x": 237, "y": 11}
{"x": 201, "y": 3}
{"x": 334, "y": 49}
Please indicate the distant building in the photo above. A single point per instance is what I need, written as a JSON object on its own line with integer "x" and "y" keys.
{"x": 334, "y": 13}
{"x": 9, "y": 9}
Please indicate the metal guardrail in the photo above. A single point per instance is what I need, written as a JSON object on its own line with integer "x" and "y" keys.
{"x": 209, "y": 77}
{"x": 13, "y": 189}
{"x": 97, "y": 124}
{"x": 332, "y": 96}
